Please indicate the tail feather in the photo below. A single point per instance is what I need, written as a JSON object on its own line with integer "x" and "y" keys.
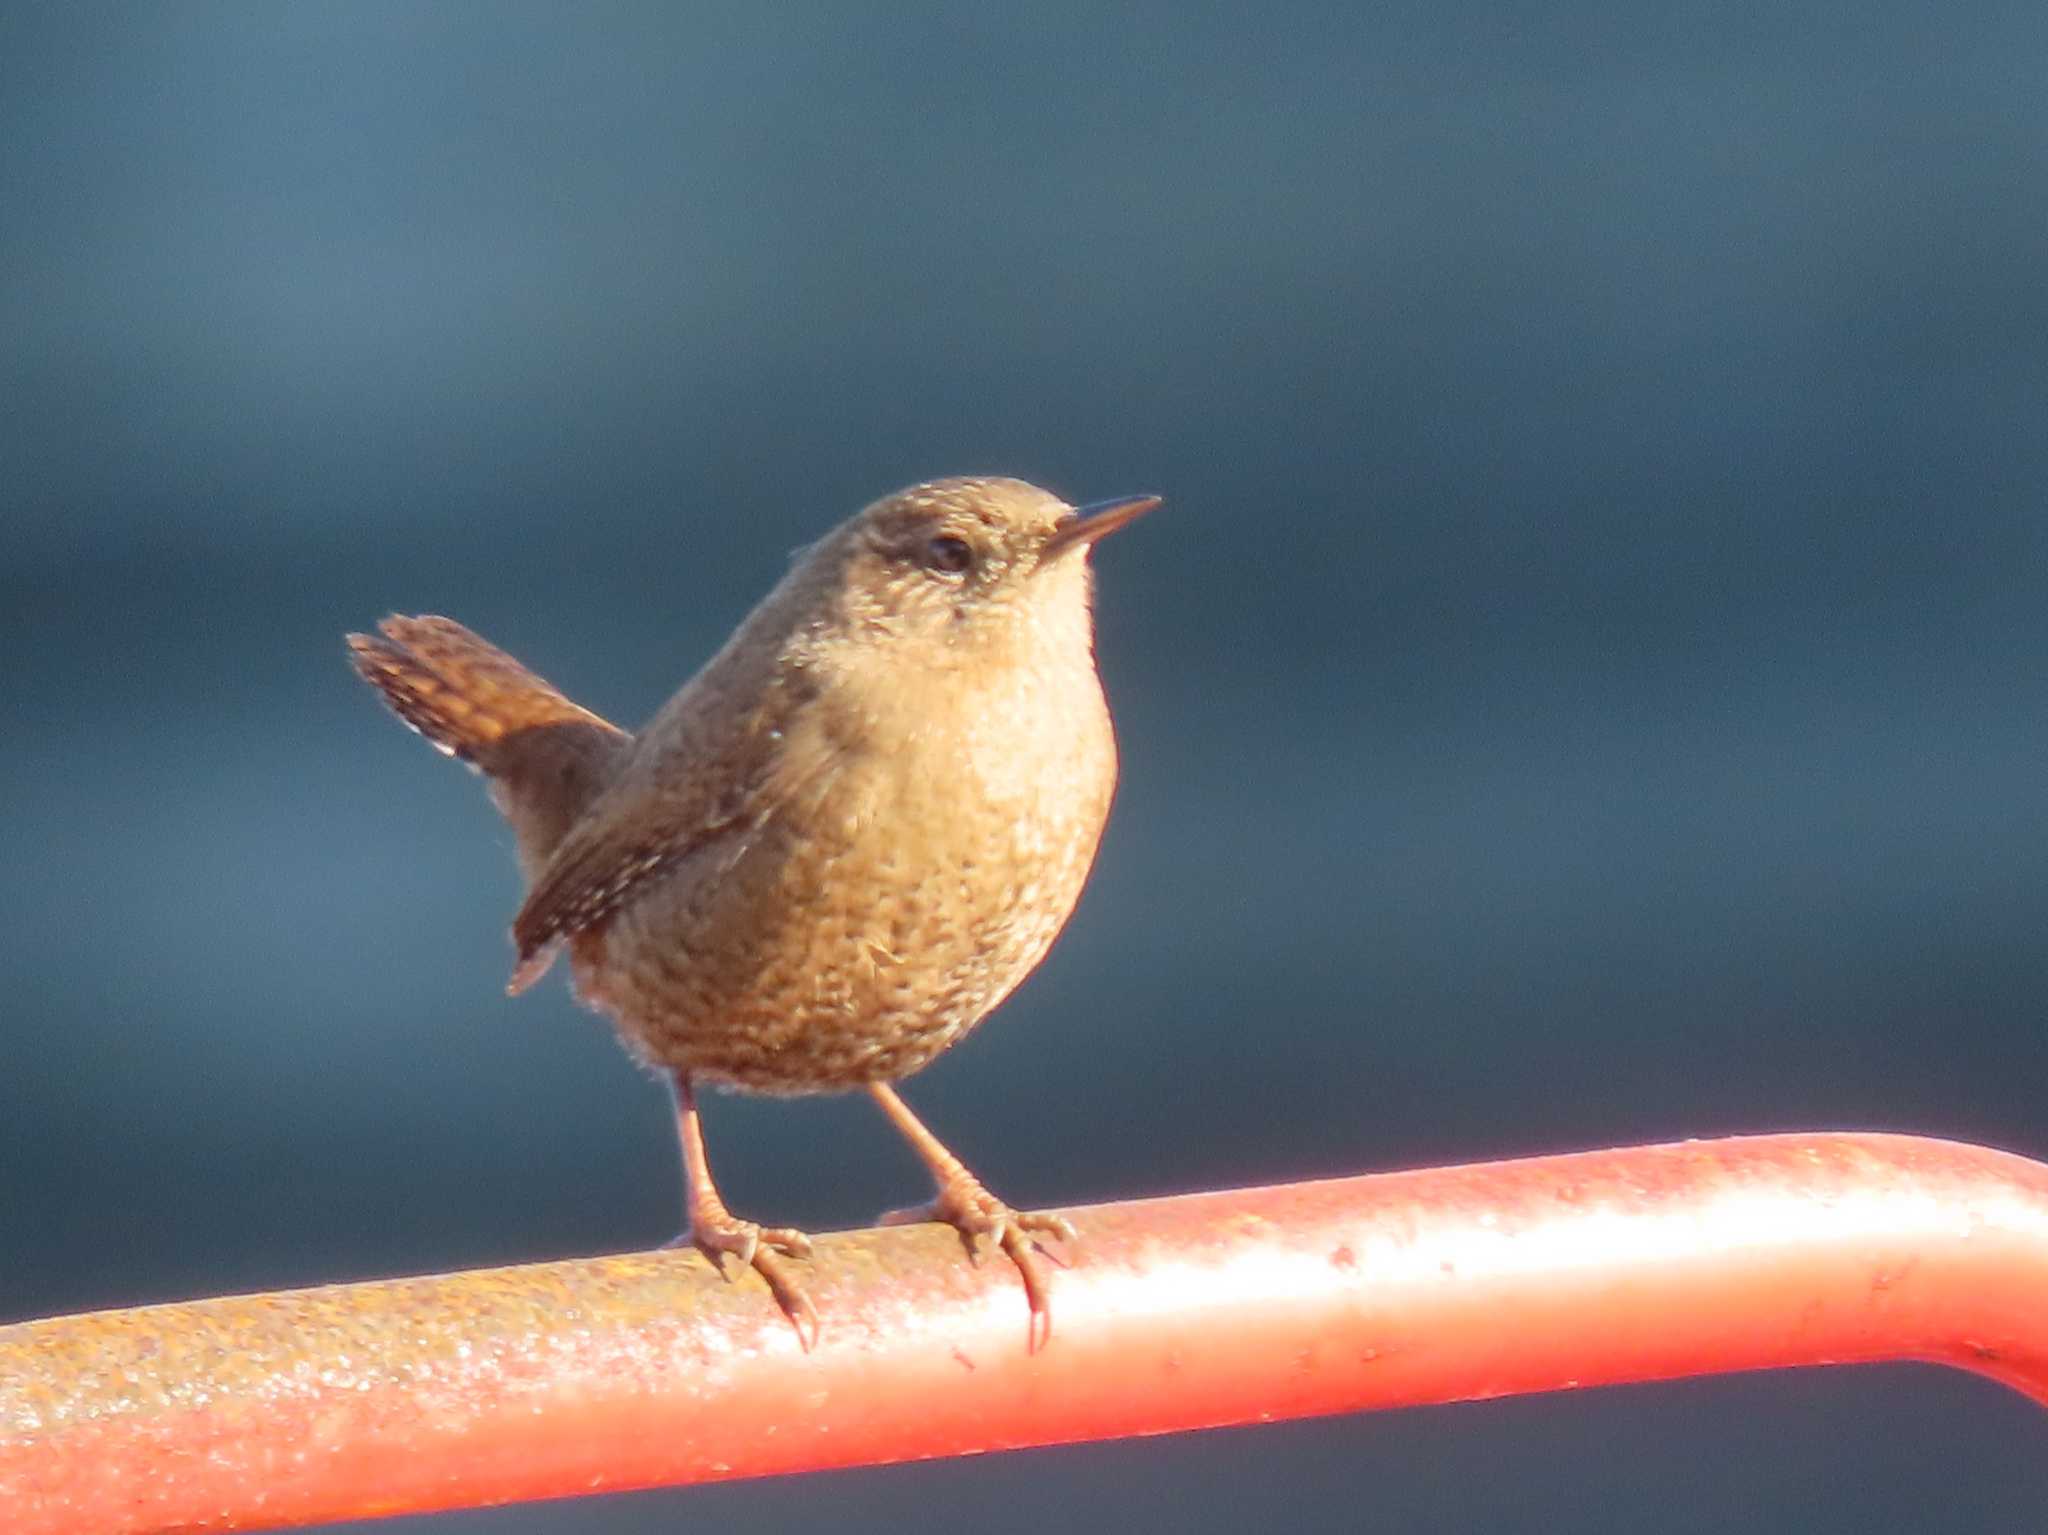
{"x": 455, "y": 688}
{"x": 546, "y": 757}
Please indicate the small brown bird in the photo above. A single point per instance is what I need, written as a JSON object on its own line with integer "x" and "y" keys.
{"x": 842, "y": 843}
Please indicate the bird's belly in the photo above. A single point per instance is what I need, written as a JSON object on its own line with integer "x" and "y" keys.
{"x": 842, "y": 942}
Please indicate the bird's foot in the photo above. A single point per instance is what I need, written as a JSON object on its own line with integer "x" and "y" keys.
{"x": 734, "y": 1246}
{"x": 985, "y": 1222}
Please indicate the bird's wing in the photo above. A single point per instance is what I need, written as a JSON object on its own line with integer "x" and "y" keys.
{"x": 595, "y": 873}
{"x": 701, "y": 783}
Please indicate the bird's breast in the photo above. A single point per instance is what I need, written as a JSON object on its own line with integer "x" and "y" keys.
{"x": 903, "y": 872}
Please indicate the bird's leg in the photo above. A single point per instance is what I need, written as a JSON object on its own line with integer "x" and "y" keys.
{"x": 719, "y": 1234}
{"x": 975, "y": 1213}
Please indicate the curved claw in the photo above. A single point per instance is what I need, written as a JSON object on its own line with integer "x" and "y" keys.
{"x": 1030, "y": 1261}
{"x": 794, "y": 1300}
{"x": 985, "y": 1222}
{"x": 1049, "y": 1225}
{"x": 762, "y": 1249}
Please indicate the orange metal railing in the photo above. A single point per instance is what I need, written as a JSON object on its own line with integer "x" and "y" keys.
{"x": 258, "y": 1412}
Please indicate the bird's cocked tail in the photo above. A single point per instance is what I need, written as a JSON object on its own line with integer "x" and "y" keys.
{"x": 546, "y": 757}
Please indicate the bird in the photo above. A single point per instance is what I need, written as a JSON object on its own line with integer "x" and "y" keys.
{"x": 841, "y": 844}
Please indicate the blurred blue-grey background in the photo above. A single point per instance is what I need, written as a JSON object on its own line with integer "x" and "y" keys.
{"x": 1590, "y": 684}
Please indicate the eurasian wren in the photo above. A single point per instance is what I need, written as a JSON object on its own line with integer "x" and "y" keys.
{"x": 839, "y": 846}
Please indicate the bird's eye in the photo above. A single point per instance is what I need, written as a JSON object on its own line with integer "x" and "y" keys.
{"x": 949, "y": 554}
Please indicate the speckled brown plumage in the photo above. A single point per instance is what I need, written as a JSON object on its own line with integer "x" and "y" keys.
{"x": 841, "y": 844}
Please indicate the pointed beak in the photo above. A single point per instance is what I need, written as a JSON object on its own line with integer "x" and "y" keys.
{"x": 1099, "y": 519}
